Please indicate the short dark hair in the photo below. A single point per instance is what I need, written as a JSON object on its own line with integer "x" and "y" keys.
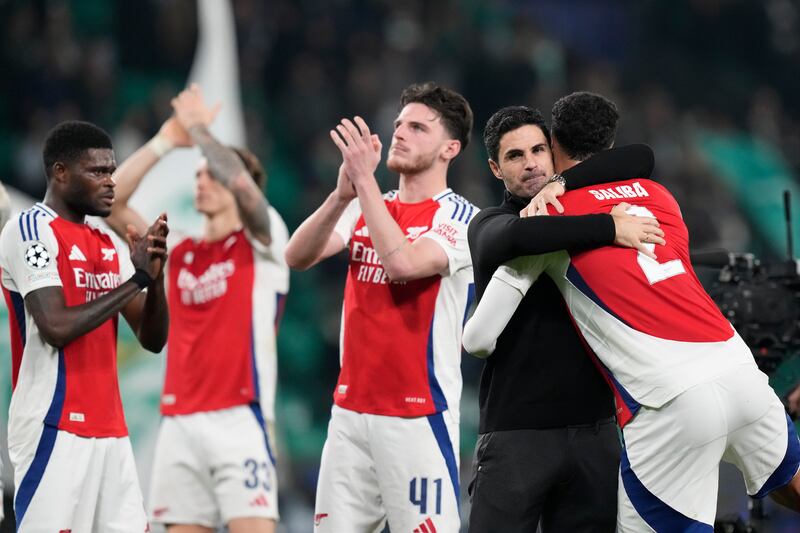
{"x": 252, "y": 165}
{"x": 584, "y": 123}
{"x": 508, "y": 119}
{"x": 451, "y": 106}
{"x": 68, "y": 141}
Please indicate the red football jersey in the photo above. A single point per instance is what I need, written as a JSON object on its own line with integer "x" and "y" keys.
{"x": 401, "y": 342}
{"x": 74, "y": 388}
{"x": 225, "y": 301}
{"x": 654, "y": 297}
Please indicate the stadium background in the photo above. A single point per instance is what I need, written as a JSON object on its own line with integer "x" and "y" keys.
{"x": 711, "y": 85}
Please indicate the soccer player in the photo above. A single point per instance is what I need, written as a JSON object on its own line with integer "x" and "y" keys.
{"x": 214, "y": 462}
{"x": 691, "y": 392}
{"x": 392, "y": 446}
{"x": 65, "y": 284}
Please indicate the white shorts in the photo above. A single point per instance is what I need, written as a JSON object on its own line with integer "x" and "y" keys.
{"x": 670, "y": 464}
{"x": 212, "y": 467}
{"x": 70, "y": 483}
{"x": 375, "y": 468}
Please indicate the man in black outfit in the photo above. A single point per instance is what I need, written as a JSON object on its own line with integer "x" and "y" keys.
{"x": 548, "y": 449}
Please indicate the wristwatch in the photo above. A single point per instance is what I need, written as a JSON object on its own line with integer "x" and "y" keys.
{"x": 558, "y": 178}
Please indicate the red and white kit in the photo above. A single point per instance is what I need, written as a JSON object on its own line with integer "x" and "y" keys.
{"x": 392, "y": 446}
{"x": 67, "y": 438}
{"x": 226, "y": 298}
{"x": 688, "y": 390}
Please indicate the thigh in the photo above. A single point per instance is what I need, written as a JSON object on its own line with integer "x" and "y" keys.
{"x": 670, "y": 463}
{"x": 245, "y": 480}
{"x": 763, "y": 444}
{"x": 515, "y": 472}
{"x": 58, "y": 482}
{"x": 181, "y": 490}
{"x": 348, "y": 498}
{"x": 587, "y": 500}
{"x": 417, "y": 469}
{"x": 120, "y": 507}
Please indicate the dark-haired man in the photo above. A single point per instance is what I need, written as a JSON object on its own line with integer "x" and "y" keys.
{"x": 392, "y": 446}
{"x": 548, "y": 448}
{"x": 65, "y": 283}
{"x": 214, "y": 463}
{"x": 689, "y": 392}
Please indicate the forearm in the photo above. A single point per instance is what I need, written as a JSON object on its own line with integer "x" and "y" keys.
{"x": 130, "y": 173}
{"x": 253, "y": 208}
{"x": 226, "y": 167}
{"x": 223, "y": 163}
{"x": 506, "y": 237}
{"x": 60, "y": 324}
{"x": 154, "y": 326}
{"x": 387, "y": 237}
{"x": 128, "y": 177}
{"x": 496, "y": 307}
{"x": 309, "y": 243}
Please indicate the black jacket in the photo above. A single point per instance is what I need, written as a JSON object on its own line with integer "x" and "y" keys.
{"x": 540, "y": 375}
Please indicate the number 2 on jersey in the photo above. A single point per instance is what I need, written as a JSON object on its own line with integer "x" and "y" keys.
{"x": 653, "y": 270}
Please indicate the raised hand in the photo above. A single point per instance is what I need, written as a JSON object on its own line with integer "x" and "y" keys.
{"x": 149, "y": 252}
{"x": 361, "y": 150}
{"x": 191, "y": 110}
{"x": 636, "y": 231}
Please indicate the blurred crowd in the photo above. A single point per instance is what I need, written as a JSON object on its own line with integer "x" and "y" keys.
{"x": 676, "y": 70}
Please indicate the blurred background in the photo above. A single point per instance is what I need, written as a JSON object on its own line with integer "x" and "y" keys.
{"x": 711, "y": 85}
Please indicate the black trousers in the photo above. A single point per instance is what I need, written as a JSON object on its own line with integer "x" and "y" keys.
{"x": 564, "y": 477}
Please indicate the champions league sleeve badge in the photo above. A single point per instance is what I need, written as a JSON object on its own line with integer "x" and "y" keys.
{"x": 37, "y": 256}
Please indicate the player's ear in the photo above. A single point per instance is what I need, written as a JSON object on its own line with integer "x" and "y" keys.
{"x": 451, "y": 149}
{"x": 59, "y": 172}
